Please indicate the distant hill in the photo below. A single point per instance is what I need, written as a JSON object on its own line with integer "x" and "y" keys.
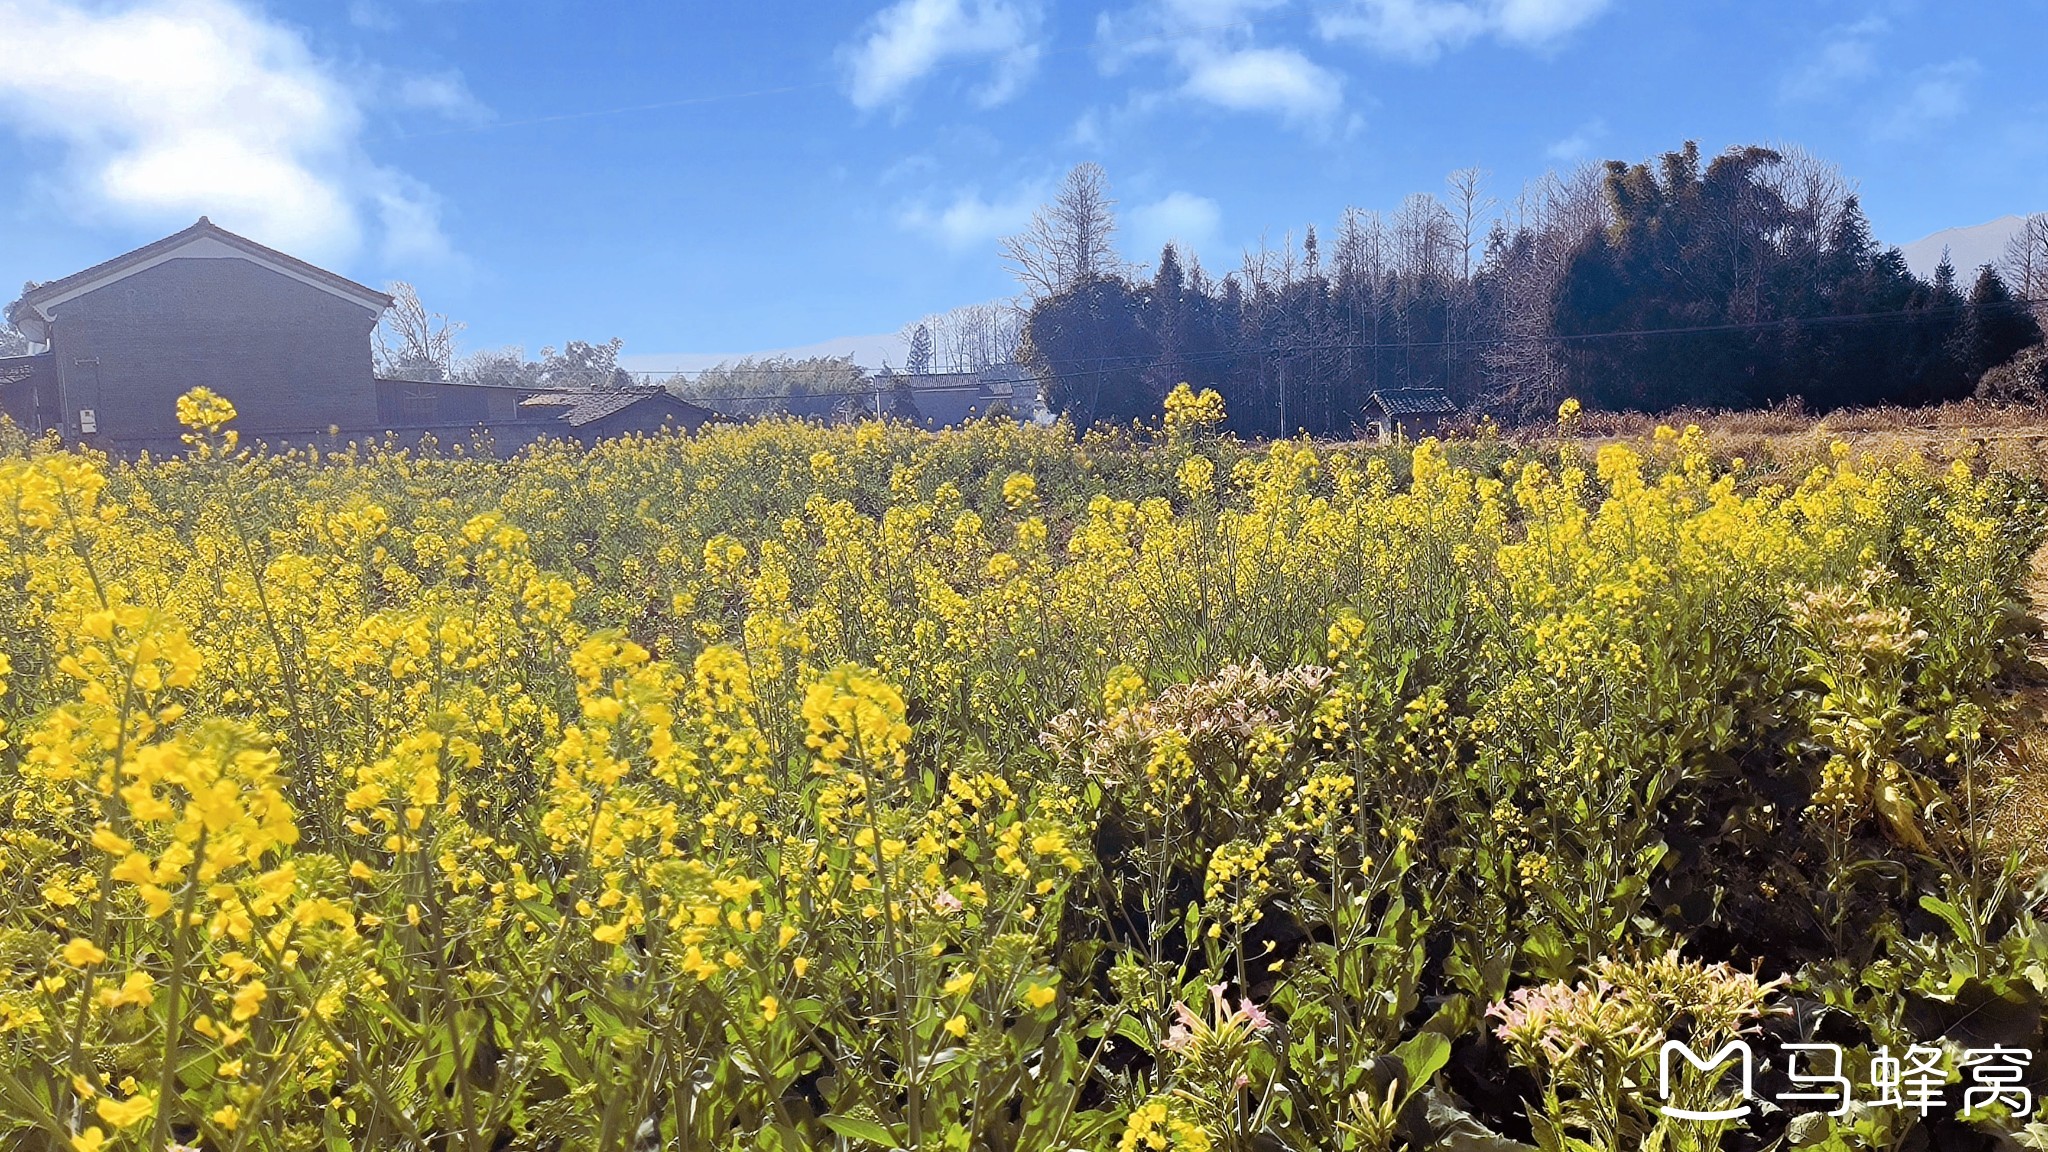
{"x": 1968, "y": 247}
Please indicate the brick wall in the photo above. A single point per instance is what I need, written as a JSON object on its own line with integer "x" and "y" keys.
{"x": 291, "y": 357}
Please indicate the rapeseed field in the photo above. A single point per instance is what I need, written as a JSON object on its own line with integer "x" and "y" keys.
{"x": 800, "y": 787}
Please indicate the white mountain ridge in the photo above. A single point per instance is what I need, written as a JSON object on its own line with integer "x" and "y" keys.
{"x": 1969, "y": 248}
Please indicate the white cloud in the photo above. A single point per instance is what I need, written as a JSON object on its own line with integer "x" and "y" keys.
{"x": 1580, "y": 144}
{"x": 1541, "y": 21}
{"x": 1210, "y": 44}
{"x": 1423, "y": 29}
{"x": 1216, "y": 14}
{"x": 970, "y": 222}
{"x": 1278, "y": 80}
{"x": 444, "y": 94}
{"x": 172, "y": 109}
{"x": 1848, "y": 53}
{"x": 1938, "y": 94}
{"x": 910, "y": 38}
{"x": 409, "y": 219}
{"x": 1191, "y": 222}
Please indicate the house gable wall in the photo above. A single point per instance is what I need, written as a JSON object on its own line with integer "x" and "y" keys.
{"x": 290, "y": 356}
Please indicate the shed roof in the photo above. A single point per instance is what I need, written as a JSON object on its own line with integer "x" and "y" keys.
{"x": 1414, "y": 402}
{"x": 15, "y": 369}
{"x": 578, "y": 409}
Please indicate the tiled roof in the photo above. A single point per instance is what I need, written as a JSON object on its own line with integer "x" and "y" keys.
{"x": 581, "y": 408}
{"x": 205, "y": 228}
{"x": 15, "y": 369}
{"x": 1414, "y": 402}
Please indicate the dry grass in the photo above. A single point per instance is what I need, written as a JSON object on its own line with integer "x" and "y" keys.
{"x": 1787, "y": 440}
{"x": 1790, "y": 418}
{"x": 2018, "y": 818}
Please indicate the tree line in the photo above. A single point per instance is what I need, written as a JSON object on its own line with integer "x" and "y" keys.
{"x": 1746, "y": 280}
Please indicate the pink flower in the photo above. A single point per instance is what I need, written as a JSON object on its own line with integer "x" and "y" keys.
{"x": 947, "y": 902}
{"x": 1216, "y": 992}
{"x": 1246, "y": 1010}
{"x": 1182, "y": 1033}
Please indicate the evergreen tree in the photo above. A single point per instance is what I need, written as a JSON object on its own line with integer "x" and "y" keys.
{"x": 920, "y": 359}
{"x": 1091, "y": 349}
{"x": 903, "y": 399}
{"x": 1740, "y": 280}
{"x": 1994, "y": 327}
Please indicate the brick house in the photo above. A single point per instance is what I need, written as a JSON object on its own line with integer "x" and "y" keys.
{"x": 286, "y": 342}
{"x": 114, "y": 346}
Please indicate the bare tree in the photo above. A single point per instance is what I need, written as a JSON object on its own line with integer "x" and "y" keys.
{"x": 1554, "y": 218}
{"x": 1469, "y": 207}
{"x": 1261, "y": 271}
{"x": 413, "y": 343}
{"x": 975, "y": 336}
{"x": 1425, "y": 239}
{"x": 577, "y": 366}
{"x": 1814, "y": 191}
{"x": 1068, "y": 240}
{"x": 1573, "y": 206}
{"x": 2026, "y": 263}
{"x": 1359, "y": 268}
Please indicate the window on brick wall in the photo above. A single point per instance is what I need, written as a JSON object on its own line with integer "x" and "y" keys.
{"x": 416, "y": 404}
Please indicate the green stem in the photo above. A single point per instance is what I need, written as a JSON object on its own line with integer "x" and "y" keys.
{"x": 174, "y": 1019}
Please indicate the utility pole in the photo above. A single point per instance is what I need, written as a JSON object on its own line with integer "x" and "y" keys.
{"x": 1283, "y": 397}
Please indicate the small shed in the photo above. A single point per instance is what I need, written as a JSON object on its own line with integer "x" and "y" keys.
{"x": 953, "y": 399}
{"x": 1399, "y": 413}
{"x": 28, "y": 390}
{"x": 588, "y": 417}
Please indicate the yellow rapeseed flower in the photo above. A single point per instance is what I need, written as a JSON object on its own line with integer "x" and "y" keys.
{"x": 124, "y": 1113}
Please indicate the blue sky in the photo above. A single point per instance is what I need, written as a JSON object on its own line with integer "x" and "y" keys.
{"x": 711, "y": 177}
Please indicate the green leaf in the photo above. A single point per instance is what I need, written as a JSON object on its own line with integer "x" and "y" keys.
{"x": 1549, "y": 953}
{"x": 1950, "y": 914}
{"x": 866, "y": 1130}
{"x": 1422, "y": 1056}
